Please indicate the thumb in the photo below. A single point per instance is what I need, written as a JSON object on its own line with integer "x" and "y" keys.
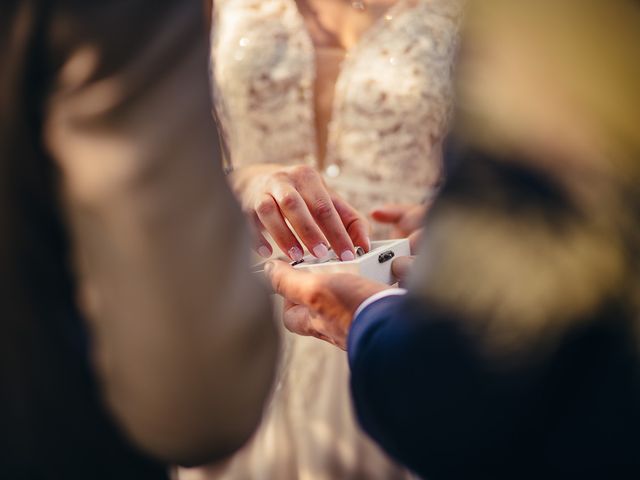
{"x": 415, "y": 239}
{"x": 401, "y": 267}
{"x": 294, "y": 285}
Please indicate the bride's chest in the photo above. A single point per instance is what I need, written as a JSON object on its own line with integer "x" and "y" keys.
{"x": 264, "y": 50}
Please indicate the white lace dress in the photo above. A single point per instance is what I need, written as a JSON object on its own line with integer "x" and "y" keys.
{"x": 391, "y": 108}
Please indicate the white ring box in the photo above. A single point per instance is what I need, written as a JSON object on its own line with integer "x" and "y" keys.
{"x": 374, "y": 265}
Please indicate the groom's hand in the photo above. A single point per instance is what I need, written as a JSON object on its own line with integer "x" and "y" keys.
{"x": 320, "y": 305}
{"x": 401, "y": 268}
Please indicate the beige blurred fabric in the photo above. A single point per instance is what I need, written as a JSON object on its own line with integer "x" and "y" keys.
{"x": 183, "y": 343}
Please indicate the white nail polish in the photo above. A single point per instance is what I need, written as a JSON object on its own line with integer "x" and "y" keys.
{"x": 264, "y": 252}
{"x": 320, "y": 250}
{"x": 347, "y": 256}
{"x": 295, "y": 254}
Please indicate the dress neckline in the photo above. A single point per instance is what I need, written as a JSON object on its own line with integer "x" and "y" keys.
{"x": 388, "y": 12}
{"x": 368, "y": 34}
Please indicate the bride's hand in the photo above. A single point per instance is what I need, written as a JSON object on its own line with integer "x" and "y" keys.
{"x": 320, "y": 305}
{"x": 271, "y": 194}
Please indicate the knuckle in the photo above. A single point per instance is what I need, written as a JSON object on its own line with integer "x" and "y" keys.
{"x": 290, "y": 201}
{"x": 305, "y": 173}
{"x": 316, "y": 299}
{"x": 317, "y": 295}
{"x": 323, "y": 209}
{"x": 265, "y": 207}
{"x": 277, "y": 281}
{"x": 280, "y": 177}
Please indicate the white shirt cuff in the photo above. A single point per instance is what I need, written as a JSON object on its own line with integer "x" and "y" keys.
{"x": 377, "y": 296}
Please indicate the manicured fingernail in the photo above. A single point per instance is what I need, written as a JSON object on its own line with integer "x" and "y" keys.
{"x": 368, "y": 243}
{"x": 264, "y": 252}
{"x": 295, "y": 254}
{"x": 347, "y": 256}
{"x": 268, "y": 267}
{"x": 320, "y": 250}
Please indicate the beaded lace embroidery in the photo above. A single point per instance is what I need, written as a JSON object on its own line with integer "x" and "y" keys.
{"x": 391, "y": 103}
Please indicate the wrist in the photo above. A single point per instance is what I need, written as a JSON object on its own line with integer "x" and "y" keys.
{"x": 373, "y": 298}
{"x": 363, "y": 292}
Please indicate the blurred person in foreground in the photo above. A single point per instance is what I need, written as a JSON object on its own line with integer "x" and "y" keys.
{"x": 515, "y": 353}
{"x": 131, "y": 332}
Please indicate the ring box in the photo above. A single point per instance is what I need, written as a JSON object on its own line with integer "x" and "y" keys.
{"x": 374, "y": 265}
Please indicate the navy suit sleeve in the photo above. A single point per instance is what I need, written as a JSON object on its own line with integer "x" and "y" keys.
{"x": 425, "y": 393}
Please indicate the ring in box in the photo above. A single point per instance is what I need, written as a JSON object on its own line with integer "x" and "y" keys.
{"x": 374, "y": 265}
